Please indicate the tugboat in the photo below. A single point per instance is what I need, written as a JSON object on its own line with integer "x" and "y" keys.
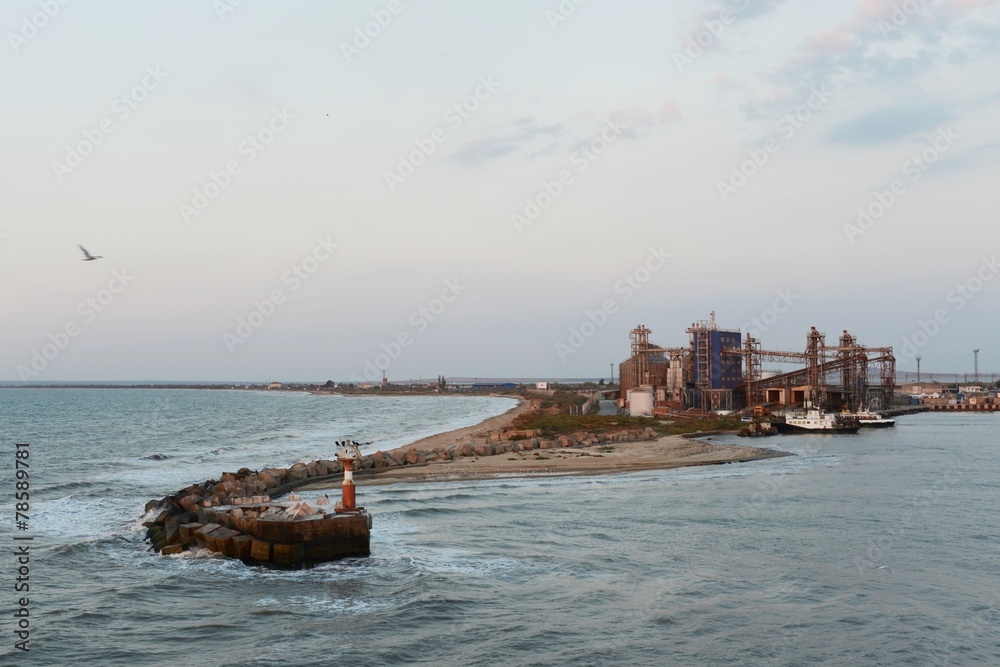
{"x": 756, "y": 426}
{"x": 869, "y": 419}
{"x": 814, "y": 420}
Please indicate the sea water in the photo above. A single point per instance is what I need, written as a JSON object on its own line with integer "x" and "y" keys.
{"x": 879, "y": 548}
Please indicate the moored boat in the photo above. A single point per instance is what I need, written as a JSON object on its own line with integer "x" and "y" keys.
{"x": 814, "y": 420}
{"x": 756, "y": 426}
{"x": 869, "y": 419}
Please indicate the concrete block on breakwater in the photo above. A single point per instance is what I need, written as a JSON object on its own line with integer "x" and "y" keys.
{"x": 239, "y": 515}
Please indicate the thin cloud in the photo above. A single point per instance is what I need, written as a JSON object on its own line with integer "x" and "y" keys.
{"x": 548, "y": 150}
{"x": 740, "y": 9}
{"x": 637, "y": 120}
{"x": 535, "y": 140}
{"x": 891, "y": 124}
{"x": 525, "y": 132}
{"x": 856, "y": 49}
{"x": 879, "y": 43}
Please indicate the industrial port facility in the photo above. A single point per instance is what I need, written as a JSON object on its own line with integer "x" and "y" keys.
{"x": 720, "y": 370}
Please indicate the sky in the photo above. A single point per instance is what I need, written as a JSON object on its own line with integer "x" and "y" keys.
{"x": 309, "y": 190}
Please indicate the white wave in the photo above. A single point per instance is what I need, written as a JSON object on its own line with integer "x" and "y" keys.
{"x": 68, "y": 518}
{"x": 325, "y": 605}
{"x": 458, "y": 561}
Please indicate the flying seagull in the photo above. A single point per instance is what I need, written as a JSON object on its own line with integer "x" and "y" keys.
{"x": 87, "y": 256}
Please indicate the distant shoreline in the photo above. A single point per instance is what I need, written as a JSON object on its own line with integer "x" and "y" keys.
{"x": 482, "y": 429}
{"x": 134, "y": 386}
{"x": 398, "y": 390}
{"x": 667, "y": 452}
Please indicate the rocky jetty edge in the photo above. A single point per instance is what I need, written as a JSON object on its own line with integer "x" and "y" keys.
{"x": 240, "y": 514}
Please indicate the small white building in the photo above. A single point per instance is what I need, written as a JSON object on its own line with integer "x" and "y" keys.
{"x": 544, "y": 386}
{"x": 640, "y": 402}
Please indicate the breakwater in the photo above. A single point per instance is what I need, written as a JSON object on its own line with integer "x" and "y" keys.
{"x": 241, "y": 515}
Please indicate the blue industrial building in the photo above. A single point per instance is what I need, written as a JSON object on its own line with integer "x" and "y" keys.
{"x": 715, "y": 375}
{"x": 725, "y": 372}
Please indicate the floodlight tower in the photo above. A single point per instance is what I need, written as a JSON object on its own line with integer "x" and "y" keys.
{"x": 975, "y": 368}
{"x": 918, "y": 369}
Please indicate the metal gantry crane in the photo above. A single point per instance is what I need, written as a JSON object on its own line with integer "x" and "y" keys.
{"x": 848, "y": 363}
{"x": 651, "y": 365}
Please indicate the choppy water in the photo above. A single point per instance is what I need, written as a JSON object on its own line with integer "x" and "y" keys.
{"x": 880, "y": 548}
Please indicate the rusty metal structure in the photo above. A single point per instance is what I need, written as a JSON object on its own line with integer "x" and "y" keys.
{"x": 720, "y": 371}
{"x": 647, "y": 367}
{"x": 831, "y": 376}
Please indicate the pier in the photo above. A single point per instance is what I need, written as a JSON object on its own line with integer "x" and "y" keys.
{"x": 963, "y": 407}
{"x": 262, "y": 531}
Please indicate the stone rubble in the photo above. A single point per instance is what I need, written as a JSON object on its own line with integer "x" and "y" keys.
{"x": 166, "y": 516}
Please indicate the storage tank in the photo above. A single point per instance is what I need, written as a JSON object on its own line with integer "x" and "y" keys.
{"x": 640, "y": 403}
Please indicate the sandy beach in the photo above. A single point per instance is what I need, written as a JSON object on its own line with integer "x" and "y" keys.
{"x": 672, "y": 451}
{"x": 666, "y": 452}
{"x": 480, "y": 430}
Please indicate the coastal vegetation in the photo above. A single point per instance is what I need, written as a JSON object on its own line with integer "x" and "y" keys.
{"x": 555, "y": 424}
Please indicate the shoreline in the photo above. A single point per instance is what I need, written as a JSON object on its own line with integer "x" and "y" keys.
{"x": 663, "y": 453}
{"x": 482, "y": 429}
{"x": 575, "y": 462}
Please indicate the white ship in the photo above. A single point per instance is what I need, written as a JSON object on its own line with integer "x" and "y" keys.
{"x": 869, "y": 419}
{"x": 814, "y": 420}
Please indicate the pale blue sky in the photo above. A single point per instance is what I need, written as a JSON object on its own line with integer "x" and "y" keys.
{"x": 883, "y": 88}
